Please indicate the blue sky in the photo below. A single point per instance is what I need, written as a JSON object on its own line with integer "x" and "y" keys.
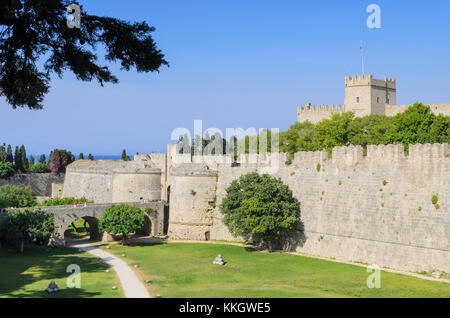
{"x": 238, "y": 63}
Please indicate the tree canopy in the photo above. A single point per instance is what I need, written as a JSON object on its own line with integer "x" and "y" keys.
{"x": 260, "y": 208}
{"x": 122, "y": 220}
{"x": 35, "y": 41}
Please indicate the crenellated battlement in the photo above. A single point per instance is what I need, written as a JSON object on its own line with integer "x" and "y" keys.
{"x": 308, "y": 107}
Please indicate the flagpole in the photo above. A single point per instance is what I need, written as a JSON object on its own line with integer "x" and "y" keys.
{"x": 362, "y": 57}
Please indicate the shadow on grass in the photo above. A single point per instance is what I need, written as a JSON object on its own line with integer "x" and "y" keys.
{"x": 40, "y": 266}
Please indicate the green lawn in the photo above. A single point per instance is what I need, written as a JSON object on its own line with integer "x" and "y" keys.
{"x": 29, "y": 274}
{"x": 186, "y": 270}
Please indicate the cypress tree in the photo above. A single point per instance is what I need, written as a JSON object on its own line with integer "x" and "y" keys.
{"x": 42, "y": 159}
{"x": 18, "y": 160}
{"x": 3, "y": 154}
{"x": 31, "y": 161}
{"x": 90, "y": 157}
{"x": 124, "y": 156}
{"x": 81, "y": 156}
{"x": 9, "y": 154}
{"x": 23, "y": 154}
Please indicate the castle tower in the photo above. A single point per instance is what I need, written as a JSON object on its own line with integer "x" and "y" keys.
{"x": 365, "y": 95}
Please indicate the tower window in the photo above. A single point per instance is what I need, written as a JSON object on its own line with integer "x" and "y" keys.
{"x": 357, "y": 99}
{"x": 387, "y": 100}
{"x": 378, "y": 99}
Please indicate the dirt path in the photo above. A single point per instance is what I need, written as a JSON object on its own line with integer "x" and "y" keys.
{"x": 131, "y": 285}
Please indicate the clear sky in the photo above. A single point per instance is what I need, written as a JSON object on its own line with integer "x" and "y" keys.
{"x": 238, "y": 63}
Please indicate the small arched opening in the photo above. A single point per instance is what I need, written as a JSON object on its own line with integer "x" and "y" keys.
{"x": 208, "y": 236}
{"x": 82, "y": 228}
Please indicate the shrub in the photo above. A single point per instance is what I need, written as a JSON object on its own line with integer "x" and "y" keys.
{"x": 64, "y": 201}
{"x": 318, "y": 167}
{"x": 39, "y": 168}
{"x": 36, "y": 226}
{"x": 259, "y": 208}
{"x": 20, "y": 197}
{"x": 122, "y": 220}
{"x": 6, "y": 170}
{"x": 434, "y": 199}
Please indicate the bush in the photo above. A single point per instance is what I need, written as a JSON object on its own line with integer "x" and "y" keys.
{"x": 64, "y": 201}
{"x": 35, "y": 226}
{"x": 39, "y": 168}
{"x": 260, "y": 208}
{"x": 434, "y": 199}
{"x": 6, "y": 170}
{"x": 20, "y": 197}
{"x": 122, "y": 220}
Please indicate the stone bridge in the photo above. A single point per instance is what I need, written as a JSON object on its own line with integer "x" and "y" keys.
{"x": 156, "y": 220}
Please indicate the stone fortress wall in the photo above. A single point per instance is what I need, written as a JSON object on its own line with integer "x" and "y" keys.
{"x": 112, "y": 181}
{"x": 364, "y": 95}
{"x": 374, "y": 209}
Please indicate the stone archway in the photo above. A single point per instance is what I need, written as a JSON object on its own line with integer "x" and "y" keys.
{"x": 94, "y": 231}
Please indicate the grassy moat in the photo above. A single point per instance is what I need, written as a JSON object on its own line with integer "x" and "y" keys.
{"x": 185, "y": 270}
{"x": 182, "y": 270}
{"x": 28, "y": 275}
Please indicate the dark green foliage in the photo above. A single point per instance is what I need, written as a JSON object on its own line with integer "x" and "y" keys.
{"x": 6, "y": 170}
{"x": 90, "y": 157}
{"x": 20, "y": 197}
{"x": 259, "y": 208}
{"x": 125, "y": 156}
{"x": 39, "y": 168}
{"x": 18, "y": 166}
{"x": 59, "y": 160}
{"x": 36, "y": 226}
{"x": 35, "y": 42}
{"x": 122, "y": 220}
{"x": 3, "y": 154}
{"x": 64, "y": 201}
{"x": 416, "y": 125}
{"x": 24, "y": 159}
{"x": 81, "y": 156}
{"x": 9, "y": 155}
{"x": 31, "y": 161}
{"x": 42, "y": 159}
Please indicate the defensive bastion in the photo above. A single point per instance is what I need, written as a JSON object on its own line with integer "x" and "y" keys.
{"x": 375, "y": 208}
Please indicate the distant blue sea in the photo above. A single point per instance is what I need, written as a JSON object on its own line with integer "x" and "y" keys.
{"x": 107, "y": 157}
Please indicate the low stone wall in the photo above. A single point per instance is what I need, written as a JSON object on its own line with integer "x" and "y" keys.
{"x": 41, "y": 183}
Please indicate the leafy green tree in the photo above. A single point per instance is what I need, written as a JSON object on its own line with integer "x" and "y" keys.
{"x": 90, "y": 157}
{"x": 59, "y": 160}
{"x": 300, "y": 137}
{"x": 419, "y": 125}
{"x": 6, "y": 170}
{"x": 122, "y": 220}
{"x": 81, "y": 156}
{"x": 20, "y": 197}
{"x": 260, "y": 208}
{"x": 42, "y": 159}
{"x": 36, "y": 41}
{"x": 36, "y": 226}
{"x": 334, "y": 132}
{"x": 39, "y": 168}
{"x": 125, "y": 156}
{"x": 371, "y": 130}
